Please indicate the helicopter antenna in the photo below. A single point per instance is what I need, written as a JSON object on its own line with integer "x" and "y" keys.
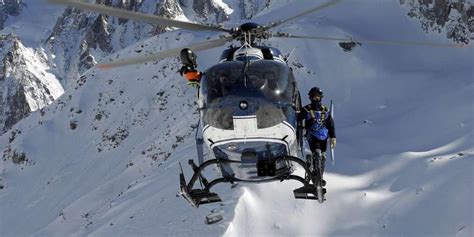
{"x": 247, "y": 60}
{"x": 289, "y": 55}
{"x": 250, "y": 38}
{"x": 245, "y": 44}
{"x": 245, "y": 38}
{"x": 247, "y": 63}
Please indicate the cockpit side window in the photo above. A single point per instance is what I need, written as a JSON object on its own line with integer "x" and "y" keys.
{"x": 276, "y": 77}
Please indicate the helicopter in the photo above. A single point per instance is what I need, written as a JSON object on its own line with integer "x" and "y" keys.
{"x": 248, "y": 103}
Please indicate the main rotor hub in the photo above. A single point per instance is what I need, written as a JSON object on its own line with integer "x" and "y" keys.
{"x": 250, "y": 31}
{"x": 249, "y": 26}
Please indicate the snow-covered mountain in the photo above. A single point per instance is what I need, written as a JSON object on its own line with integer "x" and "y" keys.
{"x": 28, "y": 81}
{"x": 78, "y": 38}
{"x": 9, "y": 8}
{"x": 454, "y": 17}
{"x": 25, "y": 83}
{"x": 71, "y": 41}
{"x": 103, "y": 159}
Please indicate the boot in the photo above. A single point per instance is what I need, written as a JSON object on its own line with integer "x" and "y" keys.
{"x": 316, "y": 156}
{"x": 323, "y": 165}
{"x": 309, "y": 161}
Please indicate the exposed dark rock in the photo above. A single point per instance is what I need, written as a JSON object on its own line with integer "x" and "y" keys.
{"x": 21, "y": 90}
{"x": 77, "y": 32}
{"x": 14, "y": 106}
{"x": 206, "y": 9}
{"x": 250, "y": 7}
{"x": 457, "y": 17}
{"x": 167, "y": 9}
{"x": 97, "y": 36}
{"x": 86, "y": 60}
{"x": 18, "y": 158}
{"x": 73, "y": 125}
{"x": 15, "y": 156}
{"x": 132, "y": 5}
{"x": 348, "y": 46}
{"x": 10, "y": 8}
{"x": 18, "y": 108}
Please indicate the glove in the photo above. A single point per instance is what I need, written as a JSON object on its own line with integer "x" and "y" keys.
{"x": 192, "y": 77}
{"x": 333, "y": 143}
{"x": 194, "y": 83}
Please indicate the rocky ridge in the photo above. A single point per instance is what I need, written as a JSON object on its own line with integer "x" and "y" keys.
{"x": 25, "y": 83}
{"x": 10, "y": 8}
{"x": 455, "y": 17}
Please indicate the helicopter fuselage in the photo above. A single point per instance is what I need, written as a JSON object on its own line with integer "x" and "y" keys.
{"x": 248, "y": 114}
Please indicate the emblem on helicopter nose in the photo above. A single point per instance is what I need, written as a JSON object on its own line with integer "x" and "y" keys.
{"x": 243, "y": 105}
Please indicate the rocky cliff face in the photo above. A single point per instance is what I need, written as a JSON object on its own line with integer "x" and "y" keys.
{"x": 9, "y": 8}
{"x": 80, "y": 37}
{"x": 25, "y": 83}
{"x": 209, "y": 11}
{"x": 251, "y": 7}
{"x": 456, "y": 16}
{"x": 167, "y": 9}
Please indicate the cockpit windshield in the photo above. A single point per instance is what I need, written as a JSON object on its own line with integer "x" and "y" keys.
{"x": 263, "y": 78}
{"x": 267, "y": 87}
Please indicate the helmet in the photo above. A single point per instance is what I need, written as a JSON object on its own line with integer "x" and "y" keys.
{"x": 315, "y": 90}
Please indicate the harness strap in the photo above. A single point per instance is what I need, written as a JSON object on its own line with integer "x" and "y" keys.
{"x": 312, "y": 114}
{"x": 323, "y": 111}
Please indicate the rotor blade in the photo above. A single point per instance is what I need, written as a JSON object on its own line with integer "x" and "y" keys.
{"x": 312, "y": 10}
{"x": 386, "y": 42}
{"x": 131, "y": 15}
{"x": 167, "y": 53}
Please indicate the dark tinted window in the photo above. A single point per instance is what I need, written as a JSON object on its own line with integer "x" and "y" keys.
{"x": 263, "y": 78}
{"x": 266, "y": 85}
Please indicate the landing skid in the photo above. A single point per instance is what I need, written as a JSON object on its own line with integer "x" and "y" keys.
{"x": 310, "y": 192}
{"x": 311, "y": 189}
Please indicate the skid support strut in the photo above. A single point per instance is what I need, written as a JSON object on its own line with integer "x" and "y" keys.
{"x": 311, "y": 189}
{"x": 312, "y": 183}
{"x": 197, "y": 197}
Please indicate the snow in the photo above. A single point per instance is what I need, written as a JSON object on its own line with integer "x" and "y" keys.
{"x": 224, "y": 6}
{"x": 35, "y": 23}
{"x": 404, "y": 159}
{"x": 38, "y": 66}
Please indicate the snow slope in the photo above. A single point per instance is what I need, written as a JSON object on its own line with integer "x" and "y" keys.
{"x": 27, "y": 80}
{"x": 405, "y": 138}
{"x": 33, "y": 26}
{"x": 26, "y": 83}
{"x": 103, "y": 159}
